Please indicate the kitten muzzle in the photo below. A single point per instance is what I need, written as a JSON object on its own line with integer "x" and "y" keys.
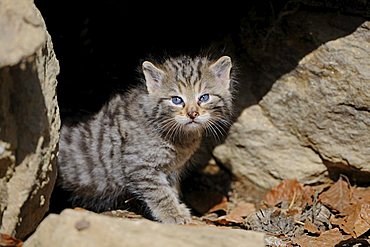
{"x": 193, "y": 114}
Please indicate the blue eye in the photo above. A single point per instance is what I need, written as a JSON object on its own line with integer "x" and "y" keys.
{"x": 177, "y": 100}
{"x": 204, "y": 98}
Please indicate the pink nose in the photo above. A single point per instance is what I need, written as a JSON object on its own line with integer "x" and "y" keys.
{"x": 193, "y": 114}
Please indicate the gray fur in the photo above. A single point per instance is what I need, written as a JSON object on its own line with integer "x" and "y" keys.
{"x": 139, "y": 143}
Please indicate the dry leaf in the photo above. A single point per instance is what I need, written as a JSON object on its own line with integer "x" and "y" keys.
{"x": 361, "y": 195}
{"x": 293, "y": 211}
{"x": 243, "y": 209}
{"x": 362, "y": 224}
{"x": 326, "y": 239}
{"x": 310, "y": 227}
{"x": 337, "y": 197}
{"x": 319, "y": 188}
{"x": 236, "y": 216}
{"x": 8, "y": 241}
{"x": 222, "y": 206}
{"x": 289, "y": 191}
{"x": 228, "y": 220}
{"x": 357, "y": 223}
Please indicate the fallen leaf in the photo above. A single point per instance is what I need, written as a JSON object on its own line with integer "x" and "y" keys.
{"x": 310, "y": 227}
{"x": 362, "y": 223}
{"x": 293, "y": 211}
{"x": 326, "y": 239}
{"x": 289, "y": 191}
{"x": 357, "y": 223}
{"x": 319, "y": 187}
{"x": 361, "y": 195}
{"x": 222, "y": 206}
{"x": 210, "y": 218}
{"x": 228, "y": 220}
{"x": 236, "y": 215}
{"x": 243, "y": 209}
{"x": 337, "y": 197}
{"x": 308, "y": 193}
{"x": 9, "y": 241}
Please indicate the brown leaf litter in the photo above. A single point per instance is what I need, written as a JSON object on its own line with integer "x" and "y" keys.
{"x": 327, "y": 215}
{"x": 8, "y": 241}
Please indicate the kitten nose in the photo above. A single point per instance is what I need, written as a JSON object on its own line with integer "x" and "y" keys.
{"x": 193, "y": 114}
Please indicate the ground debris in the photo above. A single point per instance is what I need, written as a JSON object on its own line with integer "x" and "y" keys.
{"x": 326, "y": 239}
{"x": 235, "y": 216}
{"x": 289, "y": 191}
{"x": 8, "y": 241}
{"x": 275, "y": 222}
{"x": 337, "y": 197}
{"x": 321, "y": 215}
{"x": 123, "y": 214}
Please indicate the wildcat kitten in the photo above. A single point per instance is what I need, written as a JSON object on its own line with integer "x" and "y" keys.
{"x": 139, "y": 142}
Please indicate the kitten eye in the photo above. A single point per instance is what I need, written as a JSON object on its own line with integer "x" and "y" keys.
{"x": 177, "y": 100}
{"x": 204, "y": 98}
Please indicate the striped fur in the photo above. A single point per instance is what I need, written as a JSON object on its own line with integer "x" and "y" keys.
{"x": 140, "y": 141}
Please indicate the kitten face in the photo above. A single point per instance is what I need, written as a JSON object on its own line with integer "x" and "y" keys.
{"x": 193, "y": 94}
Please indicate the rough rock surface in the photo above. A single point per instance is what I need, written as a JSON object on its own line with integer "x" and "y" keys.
{"x": 315, "y": 118}
{"x": 85, "y": 228}
{"x": 328, "y": 100}
{"x": 260, "y": 153}
{"x": 19, "y": 19}
{"x": 29, "y": 117}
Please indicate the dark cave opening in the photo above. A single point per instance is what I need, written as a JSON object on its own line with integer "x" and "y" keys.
{"x": 100, "y": 45}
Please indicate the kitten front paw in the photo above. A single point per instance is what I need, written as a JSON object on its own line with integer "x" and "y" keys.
{"x": 179, "y": 216}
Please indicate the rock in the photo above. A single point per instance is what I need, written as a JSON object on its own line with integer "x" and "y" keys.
{"x": 257, "y": 151}
{"x": 328, "y": 100}
{"x": 84, "y": 228}
{"x": 19, "y": 19}
{"x": 29, "y": 118}
{"x": 315, "y": 119}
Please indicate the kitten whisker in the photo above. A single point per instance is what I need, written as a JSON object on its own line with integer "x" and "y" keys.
{"x": 175, "y": 131}
{"x": 213, "y": 131}
{"x": 170, "y": 130}
{"x": 222, "y": 120}
{"x": 225, "y": 122}
{"x": 217, "y": 127}
{"x": 222, "y": 127}
{"x": 164, "y": 125}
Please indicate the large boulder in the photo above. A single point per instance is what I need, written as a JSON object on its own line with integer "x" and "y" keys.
{"x": 84, "y": 228}
{"x": 29, "y": 117}
{"x": 314, "y": 121}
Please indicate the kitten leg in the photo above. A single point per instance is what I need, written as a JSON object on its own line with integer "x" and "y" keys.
{"x": 173, "y": 179}
{"x": 163, "y": 201}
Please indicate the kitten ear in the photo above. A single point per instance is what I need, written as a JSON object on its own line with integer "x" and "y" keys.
{"x": 153, "y": 76}
{"x": 221, "y": 69}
